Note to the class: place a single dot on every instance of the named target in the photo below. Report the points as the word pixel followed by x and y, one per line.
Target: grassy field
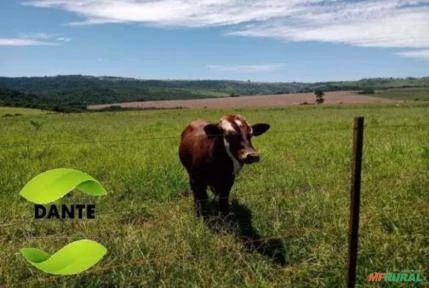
pixel 15 112
pixel 295 201
pixel 410 94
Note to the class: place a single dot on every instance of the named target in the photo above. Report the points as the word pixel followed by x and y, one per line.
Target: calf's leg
pixel 199 190
pixel 223 188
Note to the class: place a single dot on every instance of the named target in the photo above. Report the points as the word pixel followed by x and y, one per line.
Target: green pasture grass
pixel 294 204
pixel 411 94
pixel 14 112
pixel 209 93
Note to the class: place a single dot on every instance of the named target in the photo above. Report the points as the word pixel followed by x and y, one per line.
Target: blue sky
pixel 270 40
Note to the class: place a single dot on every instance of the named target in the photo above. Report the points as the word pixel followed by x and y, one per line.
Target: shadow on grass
pixel 240 224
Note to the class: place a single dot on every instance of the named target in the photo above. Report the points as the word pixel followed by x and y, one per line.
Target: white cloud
pixel 246 68
pixel 24 42
pixel 40 36
pixel 34 39
pixel 370 23
pixel 63 39
pixel 188 13
pixel 419 54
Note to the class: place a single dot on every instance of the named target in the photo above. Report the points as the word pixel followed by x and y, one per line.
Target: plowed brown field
pixel 341 97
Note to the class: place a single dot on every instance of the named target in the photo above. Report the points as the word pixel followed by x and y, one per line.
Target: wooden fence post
pixel 355 200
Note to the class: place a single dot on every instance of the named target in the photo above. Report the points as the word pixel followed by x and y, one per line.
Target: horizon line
pixel 229 80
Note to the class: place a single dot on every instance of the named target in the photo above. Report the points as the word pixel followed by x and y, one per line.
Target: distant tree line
pixel 72 93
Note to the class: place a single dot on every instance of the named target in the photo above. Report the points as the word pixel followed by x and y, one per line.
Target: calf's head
pixel 237 135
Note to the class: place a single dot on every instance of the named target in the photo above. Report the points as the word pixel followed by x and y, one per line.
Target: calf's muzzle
pixel 251 157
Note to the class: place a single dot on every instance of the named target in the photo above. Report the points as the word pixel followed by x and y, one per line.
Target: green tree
pixel 319 96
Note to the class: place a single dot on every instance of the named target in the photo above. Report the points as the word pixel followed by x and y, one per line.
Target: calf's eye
pixel 233 136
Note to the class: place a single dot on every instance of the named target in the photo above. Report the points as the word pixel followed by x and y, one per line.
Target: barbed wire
pixel 107 141
pixel 135 225
pixel 92 271
pixel 154 205
pixel 214 222
pixel 112 265
pixel 241 240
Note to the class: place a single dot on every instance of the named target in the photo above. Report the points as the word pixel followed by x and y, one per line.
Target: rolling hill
pixel 75 92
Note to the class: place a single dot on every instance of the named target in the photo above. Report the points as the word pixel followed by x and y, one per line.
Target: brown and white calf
pixel 213 154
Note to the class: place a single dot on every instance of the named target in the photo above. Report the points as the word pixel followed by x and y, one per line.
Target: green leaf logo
pixel 73 258
pixel 48 187
pixel 52 185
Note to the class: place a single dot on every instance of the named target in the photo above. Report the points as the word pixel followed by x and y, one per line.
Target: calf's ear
pixel 213 130
pixel 260 128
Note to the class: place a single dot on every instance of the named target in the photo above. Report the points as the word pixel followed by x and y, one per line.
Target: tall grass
pixel 295 202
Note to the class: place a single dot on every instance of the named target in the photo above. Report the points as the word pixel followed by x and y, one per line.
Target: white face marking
pixel 236 165
pixel 227 127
